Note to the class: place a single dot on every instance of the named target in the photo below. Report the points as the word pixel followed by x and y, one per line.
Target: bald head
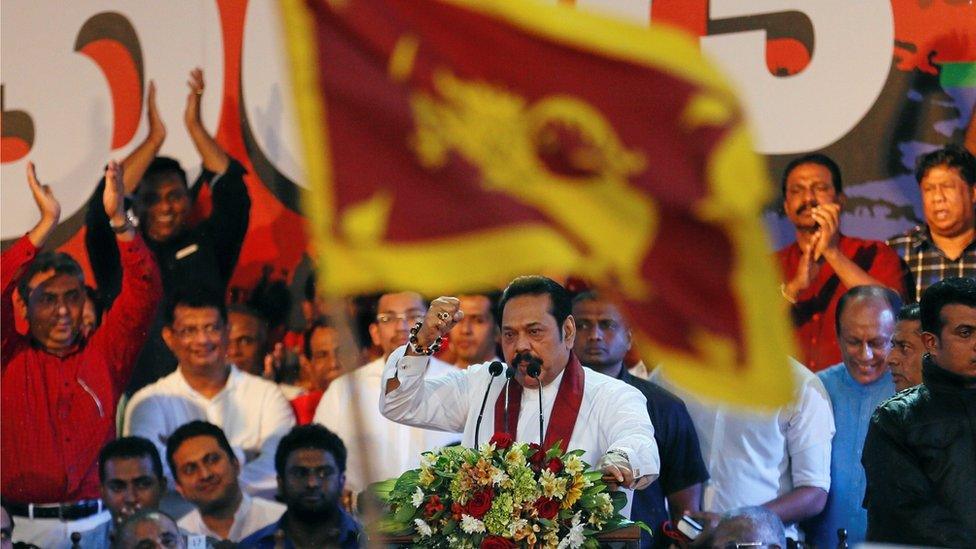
pixel 149 529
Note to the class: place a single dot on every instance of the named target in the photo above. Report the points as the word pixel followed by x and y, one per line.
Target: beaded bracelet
pixel 430 350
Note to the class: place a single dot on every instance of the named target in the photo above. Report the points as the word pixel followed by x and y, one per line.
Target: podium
pixel 627 537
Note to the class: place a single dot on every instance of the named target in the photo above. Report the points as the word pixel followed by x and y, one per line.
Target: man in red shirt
pixel 823 263
pixel 60 389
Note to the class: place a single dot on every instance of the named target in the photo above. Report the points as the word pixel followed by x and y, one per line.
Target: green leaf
pixel 450 527
pixel 405 513
pixel 619 500
pixel 593 476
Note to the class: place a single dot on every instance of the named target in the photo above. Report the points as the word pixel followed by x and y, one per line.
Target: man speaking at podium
pixel 585 410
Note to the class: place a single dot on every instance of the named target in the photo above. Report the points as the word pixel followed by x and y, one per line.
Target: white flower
pixel 428 459
pixel 418 498
pixel 471 525
pixel 423 528
pixel 575 538
pixel 498 476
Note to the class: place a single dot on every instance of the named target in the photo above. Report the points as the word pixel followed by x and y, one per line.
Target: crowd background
pixel 268 280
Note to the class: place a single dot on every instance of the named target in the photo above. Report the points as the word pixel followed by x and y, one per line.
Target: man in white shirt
pixel 251 411
pixel 779 460
pixel 475 337
pixel 604 417
pixel 206 472
pixel 348 407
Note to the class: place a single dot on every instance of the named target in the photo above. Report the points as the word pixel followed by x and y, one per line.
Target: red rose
pixel 479 504
pixel 497 542
pixel 547 508
pixel 554 466
pixel 433 506
pixel 502 441
pixel 536 457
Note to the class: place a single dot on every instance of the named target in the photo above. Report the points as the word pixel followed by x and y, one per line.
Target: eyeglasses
pixel 389 318
pixel 190 332
pixel 48 301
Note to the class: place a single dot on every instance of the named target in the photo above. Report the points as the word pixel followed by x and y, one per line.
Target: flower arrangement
pixel 502 495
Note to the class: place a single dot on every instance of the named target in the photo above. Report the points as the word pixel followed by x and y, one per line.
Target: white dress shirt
pixel 754 458
pixel 613 415
pixel 391 448
pixel 252 515
pixel 252 412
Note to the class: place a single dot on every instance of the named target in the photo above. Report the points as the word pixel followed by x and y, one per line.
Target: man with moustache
pixel 132 479
pixel 538 332
pixel 206 472
pixel 905 357
pixel 392 448
pixel 602 341
pixel 311 465
pixel 945 245
pixel 251 410
pixel 919 451
pixel 475 338
pixel 59 388
pixel 823 263
pixel 865 322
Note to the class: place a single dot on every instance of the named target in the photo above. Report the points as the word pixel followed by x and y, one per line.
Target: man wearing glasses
pixel 392 447
pixel 252 411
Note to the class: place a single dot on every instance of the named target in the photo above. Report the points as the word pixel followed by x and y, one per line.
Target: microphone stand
pixel 509 374
pixel 495 368
pixel 533 371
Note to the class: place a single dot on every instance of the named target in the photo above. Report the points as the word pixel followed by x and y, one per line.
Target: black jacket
pixel 920 462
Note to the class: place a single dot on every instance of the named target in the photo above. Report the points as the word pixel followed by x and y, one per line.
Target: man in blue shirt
pixel 865 322
pixel 311 466
pixel 603 338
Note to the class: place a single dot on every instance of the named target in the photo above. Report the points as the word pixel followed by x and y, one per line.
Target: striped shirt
pixel 927 263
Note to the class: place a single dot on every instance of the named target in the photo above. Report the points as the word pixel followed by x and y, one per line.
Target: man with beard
pixel 602 341
pixel 538 332
pixel 823 263
pixel 206 472
pixel 394 448
pixel 919 451
pixel 905 357
pixel 311 465
pixel 865 322
pixel 475 338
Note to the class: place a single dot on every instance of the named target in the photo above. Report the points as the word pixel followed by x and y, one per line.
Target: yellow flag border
pixel 730 204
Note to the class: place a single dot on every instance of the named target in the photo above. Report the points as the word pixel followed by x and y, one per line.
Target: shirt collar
pixel 233 378
pixel 348 529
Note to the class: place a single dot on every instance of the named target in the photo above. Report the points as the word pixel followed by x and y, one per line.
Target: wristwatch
pixel 130 223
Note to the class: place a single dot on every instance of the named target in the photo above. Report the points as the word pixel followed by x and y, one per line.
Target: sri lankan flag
pixel 454 144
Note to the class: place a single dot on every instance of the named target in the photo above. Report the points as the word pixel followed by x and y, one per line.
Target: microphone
pixel 533 370
pixel 509 374
pixel 495 368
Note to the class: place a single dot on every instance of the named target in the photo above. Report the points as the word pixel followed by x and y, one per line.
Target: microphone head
pixel 533 369
pixel 495 368
pixel 510 372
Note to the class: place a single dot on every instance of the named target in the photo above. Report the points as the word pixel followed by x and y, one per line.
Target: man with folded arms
pixel 604 417
pixel 60 389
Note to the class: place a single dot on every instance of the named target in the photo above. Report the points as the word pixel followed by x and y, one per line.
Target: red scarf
pixel 562 419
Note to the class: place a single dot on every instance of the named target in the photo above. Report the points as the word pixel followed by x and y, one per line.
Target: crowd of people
pixel 146 410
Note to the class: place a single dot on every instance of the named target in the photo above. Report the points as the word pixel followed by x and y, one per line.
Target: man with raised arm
pixel 204 254
pixel 604 417
pixel 60 389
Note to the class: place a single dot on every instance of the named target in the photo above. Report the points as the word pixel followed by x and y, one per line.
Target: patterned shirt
pixel 927 263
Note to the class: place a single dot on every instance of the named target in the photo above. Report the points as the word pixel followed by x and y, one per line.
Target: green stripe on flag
pixel 958 75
